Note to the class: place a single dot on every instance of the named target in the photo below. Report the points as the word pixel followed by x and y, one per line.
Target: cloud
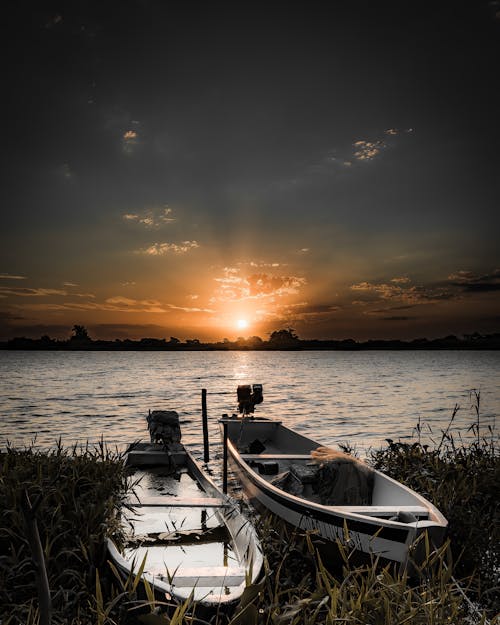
pixel 9 276
pixel 69 284
pixel 479 287
pixel 380 311
pixel 7 315
pixel 113 304
pixel 304 311
pixel 160 249
pixel 65 171
pixel 127 304
pixel 399 289
pixel 397 318
pixel 191 309
pixel 130 141
pixel 261 264
pixel 233 286
pixel 151 218
pixel 265 284
pixel 25 292
pixel 470 282
pixel 402 280
pixel 367 150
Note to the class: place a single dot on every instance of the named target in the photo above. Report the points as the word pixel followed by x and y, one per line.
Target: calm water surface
pixel 356 397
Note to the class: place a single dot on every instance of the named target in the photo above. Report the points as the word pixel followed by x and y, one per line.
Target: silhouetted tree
pixel 80 334
pixel 255 341
pixel 174 340
pixel 284 337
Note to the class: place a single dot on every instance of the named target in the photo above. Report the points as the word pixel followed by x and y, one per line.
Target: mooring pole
pixel 204 417
pixel 224 459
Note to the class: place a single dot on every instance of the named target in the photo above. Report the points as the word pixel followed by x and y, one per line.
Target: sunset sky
pixel 217 170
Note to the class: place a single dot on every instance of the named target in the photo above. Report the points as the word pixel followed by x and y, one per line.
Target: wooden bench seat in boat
pixel 208 577
pixel 254 457
pixel 385 511
pixel 179 502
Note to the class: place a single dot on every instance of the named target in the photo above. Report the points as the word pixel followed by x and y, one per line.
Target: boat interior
pixel 182 530
pixel 286 459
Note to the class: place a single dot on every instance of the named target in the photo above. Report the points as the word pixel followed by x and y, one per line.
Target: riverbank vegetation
pixel 74 496
pixel 283 339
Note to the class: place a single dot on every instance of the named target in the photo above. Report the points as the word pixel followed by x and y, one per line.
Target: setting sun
pixel 242 324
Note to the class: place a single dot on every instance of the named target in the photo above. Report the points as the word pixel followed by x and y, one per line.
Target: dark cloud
pixel 6 315
pixel 469 282
pixel 397 318
pixel 317 308
pixel 389 308
pixel 482 287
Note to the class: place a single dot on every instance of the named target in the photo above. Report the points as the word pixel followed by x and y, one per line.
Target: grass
pixel 463 481
pixel 75 494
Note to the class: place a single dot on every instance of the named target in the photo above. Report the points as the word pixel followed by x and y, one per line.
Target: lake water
pixel 334 397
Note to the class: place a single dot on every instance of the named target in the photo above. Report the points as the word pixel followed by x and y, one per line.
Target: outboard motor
pixel 248 397
pixel 164 427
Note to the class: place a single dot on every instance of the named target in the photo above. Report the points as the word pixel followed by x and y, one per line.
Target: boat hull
pixel 366 537
pixel 195 540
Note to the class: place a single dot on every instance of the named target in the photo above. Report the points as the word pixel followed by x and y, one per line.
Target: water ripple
pixel 356 397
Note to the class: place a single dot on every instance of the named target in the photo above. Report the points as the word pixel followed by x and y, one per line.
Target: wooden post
pixel 204 416
pixel 224 459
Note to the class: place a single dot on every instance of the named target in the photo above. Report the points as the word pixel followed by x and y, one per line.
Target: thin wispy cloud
pixel 26 292
pixel 367 150
pixel 470 282
pixel 401 290
pixel 261 264
pixel 339 159
pixel 114 304
pixel 9 276
pixel 151 218
pixel 190 309
pixel 401 280
pixel 160 249
pixel 130 141
pixel 66 172
pixel 304 311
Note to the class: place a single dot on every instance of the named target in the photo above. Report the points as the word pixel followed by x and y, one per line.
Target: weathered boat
pixel 338 497
pixel 194 538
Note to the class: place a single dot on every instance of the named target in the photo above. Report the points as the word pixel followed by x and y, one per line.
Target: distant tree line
pixel 283 339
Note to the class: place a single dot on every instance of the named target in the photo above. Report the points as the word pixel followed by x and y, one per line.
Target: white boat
pixel 195 539
pixel 334 495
